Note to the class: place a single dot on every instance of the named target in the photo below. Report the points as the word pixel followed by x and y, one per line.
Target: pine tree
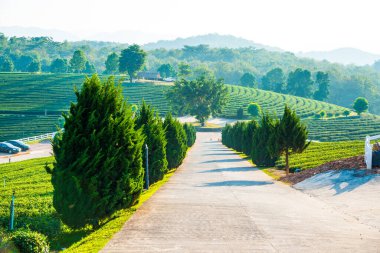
pixel 249 131
pixel 98 167
pixel 291 135
pixel 190 134
pixel 264 148
pixel 176 137
pixel 154 135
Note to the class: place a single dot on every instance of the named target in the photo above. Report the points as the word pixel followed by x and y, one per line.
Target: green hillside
pixel 26 97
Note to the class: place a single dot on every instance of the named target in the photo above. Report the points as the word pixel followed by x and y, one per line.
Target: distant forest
pixel 42 54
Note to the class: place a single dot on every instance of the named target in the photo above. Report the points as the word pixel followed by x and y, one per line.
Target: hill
pixel 343 56
pixel 32 105
pixel 213 40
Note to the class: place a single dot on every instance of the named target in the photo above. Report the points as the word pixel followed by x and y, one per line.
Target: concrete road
pixel 216 202
pixel 37 150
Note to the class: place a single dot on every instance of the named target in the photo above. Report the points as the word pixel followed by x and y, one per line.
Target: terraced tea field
pixel 319 153
pixel 32 95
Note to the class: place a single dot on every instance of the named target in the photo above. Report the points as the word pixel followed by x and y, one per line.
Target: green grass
pixel 25 97
pixel 319 153
pixel 34 207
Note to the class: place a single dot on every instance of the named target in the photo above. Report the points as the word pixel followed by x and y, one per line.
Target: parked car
pixel 8 148
pixel 19 144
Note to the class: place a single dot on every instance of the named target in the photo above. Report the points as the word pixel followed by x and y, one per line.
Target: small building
pixel 149 75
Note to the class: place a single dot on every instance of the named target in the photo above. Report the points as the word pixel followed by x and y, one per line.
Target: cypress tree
pixel 264 147
pixel 291 135
pixel 98 168
pixel 249 131
pixel 226 135
pixel 176 137
pixel 190 134
pixel 154 135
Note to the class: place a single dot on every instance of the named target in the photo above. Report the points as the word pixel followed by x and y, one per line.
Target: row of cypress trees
pixel 267 141
pixel 99 165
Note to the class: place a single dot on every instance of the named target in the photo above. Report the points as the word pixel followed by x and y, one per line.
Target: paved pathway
pixel 216 202
pixel 37 150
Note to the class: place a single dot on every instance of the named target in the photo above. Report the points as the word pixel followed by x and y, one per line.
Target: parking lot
pixel 37 150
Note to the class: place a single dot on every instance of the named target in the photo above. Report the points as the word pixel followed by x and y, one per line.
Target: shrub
pixel 264 147
pixel 322 113
pixel 30 242
pixel 154 135
pixel 317 116
pixel 249 131
pixel 240 113
pixel 176 141
pixel 330 114
pixel 190 134
pixel 337 114
pixel 346 113
pixel 360 105
pixel 98 167
pixel 254 109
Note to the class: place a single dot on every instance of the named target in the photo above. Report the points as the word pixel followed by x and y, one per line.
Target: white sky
pixel 295 25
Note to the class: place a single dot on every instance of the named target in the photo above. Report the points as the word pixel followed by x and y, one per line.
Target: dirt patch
pixel 356 162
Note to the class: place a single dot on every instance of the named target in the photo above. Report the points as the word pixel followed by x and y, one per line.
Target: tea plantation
pixel 319 153
pixel 26 97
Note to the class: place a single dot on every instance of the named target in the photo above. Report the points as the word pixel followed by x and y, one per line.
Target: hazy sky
pixel 295 25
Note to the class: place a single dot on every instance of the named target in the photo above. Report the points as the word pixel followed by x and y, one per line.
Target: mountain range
pixel 340 55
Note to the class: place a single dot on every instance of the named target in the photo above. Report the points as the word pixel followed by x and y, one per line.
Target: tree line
pixel 267 140
pixel 345 82
pixel 100 157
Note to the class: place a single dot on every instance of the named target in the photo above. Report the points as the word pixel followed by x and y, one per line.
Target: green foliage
pixel 191 134
pixel 248 80
pixel 30 242
pixel 176 141
pixel 240 113
pixel 154 136
pixel 322 114
pixel 265 150
pixel 34 89
pixel 346 113
pixel 291 135
pixel 131 60
pixel 112 63
pixel 249 131
pixel 299 83
pixel 274 80
pixel 201 97
pixel 90 68
pixel 34 66
pixel 166 70
pixel 240 136
pixel 330 114
pixel 7 65
pixel 360 105
pixel 78 62
pixel 184 69
pixel 318 153
pixel 254 109
pixel 59 66
pixel 323 82
pixel 98 167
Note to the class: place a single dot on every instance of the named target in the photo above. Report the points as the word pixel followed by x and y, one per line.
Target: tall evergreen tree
pixel 249 131
pixel 176 147
pixel 98 168
pixel 291 135
pixel 154 135
pixel 190 134
pixel 264 148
